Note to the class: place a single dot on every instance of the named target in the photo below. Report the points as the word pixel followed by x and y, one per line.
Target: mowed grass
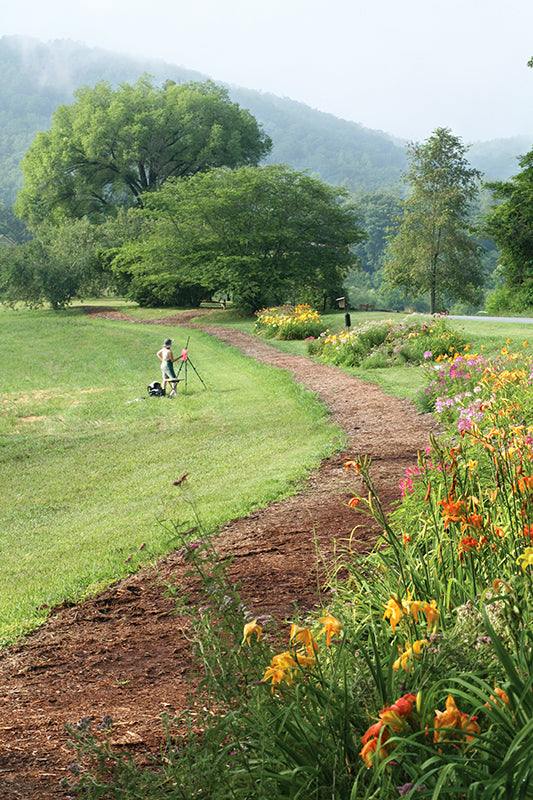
pixel 484 336
pixel 88 461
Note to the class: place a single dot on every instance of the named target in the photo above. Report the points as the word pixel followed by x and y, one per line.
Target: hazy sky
pixel 402 66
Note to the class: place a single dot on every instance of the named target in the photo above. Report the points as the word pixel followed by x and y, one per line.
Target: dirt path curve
pixel 125 652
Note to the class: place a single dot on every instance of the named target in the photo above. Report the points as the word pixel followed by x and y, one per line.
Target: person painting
pixel 167 359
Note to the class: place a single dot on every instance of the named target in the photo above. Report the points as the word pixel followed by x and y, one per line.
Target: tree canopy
pixel 510 224
pixel 433 251
pixel 264 235
pixel 112 146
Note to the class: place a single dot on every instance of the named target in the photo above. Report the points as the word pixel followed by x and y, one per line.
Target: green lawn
pixel 88 460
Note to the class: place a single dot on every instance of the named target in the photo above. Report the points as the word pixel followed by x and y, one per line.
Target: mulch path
pixel 125 653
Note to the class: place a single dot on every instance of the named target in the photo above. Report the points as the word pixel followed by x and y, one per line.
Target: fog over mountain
pixel 36 77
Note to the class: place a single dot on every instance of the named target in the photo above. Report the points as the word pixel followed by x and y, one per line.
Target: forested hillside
pixel 35 78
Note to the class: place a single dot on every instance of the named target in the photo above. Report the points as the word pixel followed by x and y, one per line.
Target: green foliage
pixel 259 234
pixel 432 251
pixel 61 263
pixel 385 343
pixel 114 145
pixel 38 77
pixel 510 223
pixel 12 230
pixel 379 212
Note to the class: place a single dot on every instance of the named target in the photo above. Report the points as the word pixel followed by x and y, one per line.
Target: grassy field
pixel 88 460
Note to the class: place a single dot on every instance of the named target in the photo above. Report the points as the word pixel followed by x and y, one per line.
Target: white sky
pixel 402 66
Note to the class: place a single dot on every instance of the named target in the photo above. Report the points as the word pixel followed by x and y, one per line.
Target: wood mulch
pixel 125 653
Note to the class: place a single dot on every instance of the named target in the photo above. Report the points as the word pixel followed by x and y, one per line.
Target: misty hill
pixel 36 77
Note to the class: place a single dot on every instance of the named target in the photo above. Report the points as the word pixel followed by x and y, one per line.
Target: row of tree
pixel 158 192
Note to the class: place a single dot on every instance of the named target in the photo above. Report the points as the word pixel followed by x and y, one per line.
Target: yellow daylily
pixel 411 651
pixel 281 668
pixel 526 558
pixel 249 629
pixel 393 612
pixel 432 615
pixel 305 637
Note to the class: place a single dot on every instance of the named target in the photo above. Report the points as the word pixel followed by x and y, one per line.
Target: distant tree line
pixel 158 192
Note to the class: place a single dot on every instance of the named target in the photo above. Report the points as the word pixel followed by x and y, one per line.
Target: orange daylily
pixel 376 735
pixel 432 615
pixel 525 484
pixel 332 627
pixel 453 510
pixel 446 722
pixel 395 715
pixel 528 532
pixel 348 463
pixel 501 695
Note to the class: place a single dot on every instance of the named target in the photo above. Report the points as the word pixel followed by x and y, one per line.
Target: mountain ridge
pixel 36 77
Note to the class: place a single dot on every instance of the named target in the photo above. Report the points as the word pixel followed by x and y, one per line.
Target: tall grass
pixel 89 461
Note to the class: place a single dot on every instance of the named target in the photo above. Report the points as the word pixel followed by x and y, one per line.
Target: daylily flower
pixel 395 715
pixel 353 502
pixel 249 629
pixel 393 612
pixel 501 695
pixel 413 607
pixel 432 615
pixel 452 510
pixel 348 463
pixel 376 736
pixel 528 532
pixel 411 651
pixel 526 558
pixel 525 484
pixel 305 637
pixel 281 668
pixel 332 627
pixel 446 722
pixel 467 545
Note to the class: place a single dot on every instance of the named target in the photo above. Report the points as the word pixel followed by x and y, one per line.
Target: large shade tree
pixel 113 146
pixel 434 251
pixel 510 224
pixel 264 235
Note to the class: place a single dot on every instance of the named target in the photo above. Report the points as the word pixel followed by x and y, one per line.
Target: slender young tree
pixel 433 251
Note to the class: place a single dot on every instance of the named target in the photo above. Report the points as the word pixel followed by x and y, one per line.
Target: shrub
pixel 289 322
pixel 386 343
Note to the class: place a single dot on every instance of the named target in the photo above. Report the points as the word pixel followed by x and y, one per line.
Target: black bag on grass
pixel 156 390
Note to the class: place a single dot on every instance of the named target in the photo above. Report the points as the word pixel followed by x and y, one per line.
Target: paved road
pixel 525 320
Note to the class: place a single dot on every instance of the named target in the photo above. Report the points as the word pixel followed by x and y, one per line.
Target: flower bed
pixel 416 681
pixel 388 342
pixel 289 322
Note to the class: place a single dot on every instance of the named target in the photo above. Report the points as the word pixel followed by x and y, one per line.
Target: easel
pixel 185 360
